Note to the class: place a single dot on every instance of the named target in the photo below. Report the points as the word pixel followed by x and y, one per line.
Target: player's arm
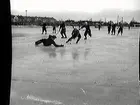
pixel 56 45
pixel 39 42
pixel 82 27
pixel 72 33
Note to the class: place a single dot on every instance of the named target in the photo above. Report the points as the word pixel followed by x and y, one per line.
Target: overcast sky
pixel 37 7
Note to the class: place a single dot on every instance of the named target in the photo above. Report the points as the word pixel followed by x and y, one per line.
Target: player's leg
pixel 69 39
pixel 85 34
pixel 114 31
pixel 118 31
pixel 45 31
pixel 121 31
pixel 53 31
pixel 79 37
pixel 38 42
pixel 42 30
pixel 89 33
pixel 108 30
pixel 65 33
pixel 99 28
pixel 61 34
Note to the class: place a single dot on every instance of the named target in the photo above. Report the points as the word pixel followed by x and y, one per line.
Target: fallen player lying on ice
pixel 48 42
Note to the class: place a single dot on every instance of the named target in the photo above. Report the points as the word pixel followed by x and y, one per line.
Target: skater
pixel 120 29
pixel 44 28
pixel 88 31
pixel 63 30
pixel 48 42
pixel 54 29
pixel 128 26
pixel 99 26
pixel 75 33
pixel 109 27
pixel 113 29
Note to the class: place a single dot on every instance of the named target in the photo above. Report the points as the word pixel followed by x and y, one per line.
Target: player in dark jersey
pixel 99 26
pixel 48 42
pixel 75 33
pixel 120 29
pixel 129 26
pixel 113 29
pixel 44 28
pixel 88 31
pixel 62 30
pixel 109 27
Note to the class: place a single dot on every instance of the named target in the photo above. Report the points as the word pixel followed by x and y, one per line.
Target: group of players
pixel 75 33
pixel 112 28
pixel 62 30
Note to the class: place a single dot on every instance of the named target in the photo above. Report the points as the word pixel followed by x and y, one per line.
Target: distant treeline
pixel 50 21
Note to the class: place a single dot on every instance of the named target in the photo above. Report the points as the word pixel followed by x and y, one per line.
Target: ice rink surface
pixel 103 70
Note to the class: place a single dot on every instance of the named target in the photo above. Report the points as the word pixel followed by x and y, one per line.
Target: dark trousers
pixel 109 28
pixel 99 28
pixel 120 30
pixel 87 32
pixel 54 30
pixel 113 31
pixel 63 33
pixel 79 37
pixel 44 29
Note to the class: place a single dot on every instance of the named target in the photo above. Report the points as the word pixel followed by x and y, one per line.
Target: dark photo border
pixel 6 49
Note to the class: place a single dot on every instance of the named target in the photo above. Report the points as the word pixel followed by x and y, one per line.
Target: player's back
pixel 47 42
pixel 75 33
pixel 62 26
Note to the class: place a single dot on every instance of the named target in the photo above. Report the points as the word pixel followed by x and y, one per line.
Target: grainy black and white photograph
pixel 75 52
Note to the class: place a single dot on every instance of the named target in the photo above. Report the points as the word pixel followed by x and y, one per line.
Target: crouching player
pixel 75 33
